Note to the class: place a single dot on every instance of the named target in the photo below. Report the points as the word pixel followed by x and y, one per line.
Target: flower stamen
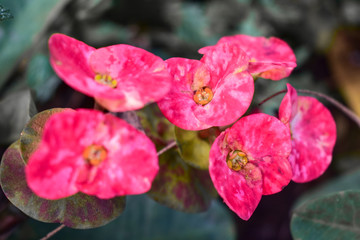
pixel 203 96
pixel 94 154
pixel 236 160
pixel 105 80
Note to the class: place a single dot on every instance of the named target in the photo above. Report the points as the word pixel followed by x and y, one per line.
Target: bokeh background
pixel 325 36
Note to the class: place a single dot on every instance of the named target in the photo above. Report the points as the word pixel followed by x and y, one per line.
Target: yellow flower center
pixel 236 160
pixel 94 154
pixel 203 96
pixel 106 80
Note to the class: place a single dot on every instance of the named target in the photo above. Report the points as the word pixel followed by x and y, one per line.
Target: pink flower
pixel 87 151
pixel 313 135
pixel 119 77
pixel 215 91
pixel 269 58
pixel 249 160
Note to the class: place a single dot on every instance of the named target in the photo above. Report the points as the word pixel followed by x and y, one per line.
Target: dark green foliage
pixel 4 13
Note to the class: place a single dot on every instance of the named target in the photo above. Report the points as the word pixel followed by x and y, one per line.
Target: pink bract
pixel 313 134
pixel 140 76
pixel 223 70
pixel 266 142
pixel 270 58
pixel 58 168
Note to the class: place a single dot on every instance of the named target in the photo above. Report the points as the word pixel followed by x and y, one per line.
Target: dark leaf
pixel 180 186
pixel 334 216
pixel 78 211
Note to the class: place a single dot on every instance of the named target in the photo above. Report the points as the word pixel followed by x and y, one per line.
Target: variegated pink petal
pixel 232 97
pixel 177 106
pixel 141 77
pixel 58 168
pixel 69 59
pixel 288 106
pixel 270 58
pixel 266 141
pixel 225 59
pixel 313 132
pixel 241 190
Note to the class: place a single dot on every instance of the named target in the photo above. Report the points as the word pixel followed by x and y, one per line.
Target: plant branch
pixel 274 95
pixel 53 232
pixel 331 100
pixel 170 145
pixel 336 103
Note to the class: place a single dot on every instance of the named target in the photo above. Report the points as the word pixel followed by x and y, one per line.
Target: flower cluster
pixel 91 152
pixel 98 154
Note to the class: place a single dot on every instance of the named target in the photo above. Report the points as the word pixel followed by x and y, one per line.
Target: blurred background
pixel 324 35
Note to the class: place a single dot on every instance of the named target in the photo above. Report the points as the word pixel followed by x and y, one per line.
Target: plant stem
pixel 170 145
pixel 53 232
pixel 274 95
pixel 336 103
pixel 331 100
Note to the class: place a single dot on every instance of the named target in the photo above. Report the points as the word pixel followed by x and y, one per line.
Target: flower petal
pixel 177 106
pixel 266 141
pixel 69 59
pixel 260 135
pixel 132 161
pixel 232 97
pixel 141 77
pixel 313 138
pixel 234 87
pixel 241 190
pixel 58 169
pixel 269 58
pixel 226 58
pixel 288 106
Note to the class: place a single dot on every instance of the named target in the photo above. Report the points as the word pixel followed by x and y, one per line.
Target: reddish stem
pixel 331 100
pixel 170 145
pixel 336 103
pixel 274 95
pixel 53 232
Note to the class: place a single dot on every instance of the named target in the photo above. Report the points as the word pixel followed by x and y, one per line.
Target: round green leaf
pixel 155 125
pixel 31 135
pixel 335 216
pixel 78 211
pixel 194 146
pixel 348 181
pixel 180 186
pixel 145 219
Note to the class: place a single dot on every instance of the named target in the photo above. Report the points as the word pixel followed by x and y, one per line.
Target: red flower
pixel 249 160
pixel 269 58
pixel 87 151
pixel 215 91
pixel 313 134
pixel 119 77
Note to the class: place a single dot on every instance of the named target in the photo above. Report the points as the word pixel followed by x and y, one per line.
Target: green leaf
pixel 180 186
pixel 348 181
pixel 30 18
pixel 145 219
pixel 193 25
pixel 194 146
pixel 15 110
pixel 4 13
pixel 78 211
pixel 331 217
pixel 31 134
pixel 41 78
pixel 156 126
